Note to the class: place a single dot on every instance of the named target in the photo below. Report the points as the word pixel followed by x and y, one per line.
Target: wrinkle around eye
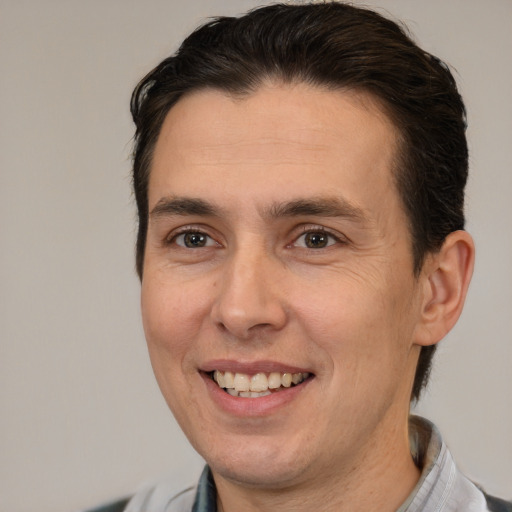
pixel 188 246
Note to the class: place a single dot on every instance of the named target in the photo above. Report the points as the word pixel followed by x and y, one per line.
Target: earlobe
pixel 446 277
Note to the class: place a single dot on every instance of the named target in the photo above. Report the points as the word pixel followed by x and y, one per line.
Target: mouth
pixel 261 384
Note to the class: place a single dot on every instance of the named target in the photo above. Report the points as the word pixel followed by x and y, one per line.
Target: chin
pixel 270 476
pixel 260 466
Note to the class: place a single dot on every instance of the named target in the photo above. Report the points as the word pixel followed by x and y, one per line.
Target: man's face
pixel 277 244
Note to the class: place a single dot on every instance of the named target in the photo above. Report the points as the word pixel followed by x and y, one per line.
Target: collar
pixel 206 494
pixel 438 469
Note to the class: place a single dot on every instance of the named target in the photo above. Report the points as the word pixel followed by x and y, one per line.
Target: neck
pixel 382 479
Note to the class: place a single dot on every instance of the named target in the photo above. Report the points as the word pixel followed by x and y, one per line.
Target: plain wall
pixel 82 419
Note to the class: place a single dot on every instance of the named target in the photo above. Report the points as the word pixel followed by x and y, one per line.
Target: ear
pixel 446 276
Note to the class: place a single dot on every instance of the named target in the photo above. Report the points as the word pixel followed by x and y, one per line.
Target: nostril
pixel 221 327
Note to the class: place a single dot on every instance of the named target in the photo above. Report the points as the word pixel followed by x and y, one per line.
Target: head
pixel 299 175
pixel 333 46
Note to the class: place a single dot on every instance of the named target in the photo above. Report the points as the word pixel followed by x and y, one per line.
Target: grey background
pixel 81 418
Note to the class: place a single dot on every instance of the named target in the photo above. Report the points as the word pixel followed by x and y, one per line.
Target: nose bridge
pixel 249 300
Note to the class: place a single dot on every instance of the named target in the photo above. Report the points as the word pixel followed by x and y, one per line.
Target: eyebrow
pixel 315 207
pixel 169 206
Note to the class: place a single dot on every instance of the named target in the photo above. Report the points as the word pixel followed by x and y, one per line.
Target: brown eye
pixel 193 240
pixel 315 240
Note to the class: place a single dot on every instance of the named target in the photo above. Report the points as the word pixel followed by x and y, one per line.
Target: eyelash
pixel 171 239
pixel 313 230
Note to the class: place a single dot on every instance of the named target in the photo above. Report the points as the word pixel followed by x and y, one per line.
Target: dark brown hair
pixel 338 46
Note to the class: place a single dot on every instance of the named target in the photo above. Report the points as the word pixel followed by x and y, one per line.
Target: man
pixel 299 175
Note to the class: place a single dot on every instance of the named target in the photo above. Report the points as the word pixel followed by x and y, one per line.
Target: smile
pixel 254 386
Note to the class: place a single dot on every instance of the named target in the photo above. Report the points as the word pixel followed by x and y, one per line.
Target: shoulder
pixel 497 504
pixel 158 498
pixel 113 506
pixel 162 498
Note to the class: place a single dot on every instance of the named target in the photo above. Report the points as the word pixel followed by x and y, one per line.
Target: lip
pixel 252 407
pixel 251 368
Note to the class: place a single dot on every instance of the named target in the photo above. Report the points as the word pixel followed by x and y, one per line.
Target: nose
pixel 249 303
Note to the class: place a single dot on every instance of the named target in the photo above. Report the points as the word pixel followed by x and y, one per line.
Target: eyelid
pixel 302 230
pixel 171 237
pixel 315 228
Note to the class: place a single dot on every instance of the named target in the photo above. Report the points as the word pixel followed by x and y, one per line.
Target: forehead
pixel 279 140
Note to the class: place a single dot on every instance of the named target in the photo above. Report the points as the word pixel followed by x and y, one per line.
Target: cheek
pixel 171 315
pixel 340 311
pixel 364 330
pixel 169 327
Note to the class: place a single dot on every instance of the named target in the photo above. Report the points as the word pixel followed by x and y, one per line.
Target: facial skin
pixel 253 181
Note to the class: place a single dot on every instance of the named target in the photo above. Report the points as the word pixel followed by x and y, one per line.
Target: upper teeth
pixel 258 383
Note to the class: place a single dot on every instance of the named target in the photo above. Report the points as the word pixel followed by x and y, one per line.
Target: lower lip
pixel 253 407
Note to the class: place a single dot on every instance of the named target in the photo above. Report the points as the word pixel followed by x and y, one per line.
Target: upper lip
pixel 251 367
